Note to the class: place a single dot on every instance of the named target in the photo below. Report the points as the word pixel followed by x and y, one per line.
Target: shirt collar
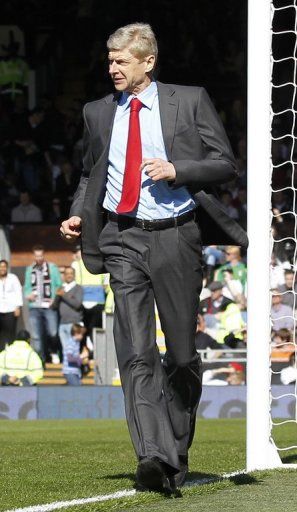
pixel 146 96
pixel 39 267
pixel 68 286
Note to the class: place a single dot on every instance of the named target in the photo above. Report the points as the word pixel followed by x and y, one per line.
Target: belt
pixel 152 225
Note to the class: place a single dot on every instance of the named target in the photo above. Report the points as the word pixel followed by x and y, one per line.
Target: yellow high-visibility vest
pixel 13 76
pixel 84 277
pixel 20 360
pixel 231 321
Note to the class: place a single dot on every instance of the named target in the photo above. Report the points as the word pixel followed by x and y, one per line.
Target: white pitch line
pixel 64 504
pixel 106 497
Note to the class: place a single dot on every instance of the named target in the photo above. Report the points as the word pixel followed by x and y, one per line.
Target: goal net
pixel 272 184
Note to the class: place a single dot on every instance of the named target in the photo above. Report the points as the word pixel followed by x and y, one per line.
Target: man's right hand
pixel 71 229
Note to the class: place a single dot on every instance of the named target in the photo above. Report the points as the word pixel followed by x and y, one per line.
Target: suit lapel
pixel 168 105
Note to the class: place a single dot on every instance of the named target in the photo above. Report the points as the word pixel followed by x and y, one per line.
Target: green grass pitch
pixel 49 461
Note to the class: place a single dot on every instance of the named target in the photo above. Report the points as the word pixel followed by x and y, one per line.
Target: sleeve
pixel 207 376
pixel 88 162
pixel 56 278
pixel 218 165
pixel 17 291
pixel 74 300
pixel 288 375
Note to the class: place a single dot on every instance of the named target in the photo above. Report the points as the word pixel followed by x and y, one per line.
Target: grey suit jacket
pixel 196 144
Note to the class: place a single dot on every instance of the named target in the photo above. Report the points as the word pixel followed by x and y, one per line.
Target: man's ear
pixel 150 63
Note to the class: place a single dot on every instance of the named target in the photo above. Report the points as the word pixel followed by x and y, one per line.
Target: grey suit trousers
pixel 160 399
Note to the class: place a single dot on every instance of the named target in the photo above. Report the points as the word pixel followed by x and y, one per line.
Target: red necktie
pixel 132 175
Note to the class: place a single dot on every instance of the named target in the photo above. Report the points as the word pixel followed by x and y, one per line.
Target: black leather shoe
pixel 151 476
pixel 180 477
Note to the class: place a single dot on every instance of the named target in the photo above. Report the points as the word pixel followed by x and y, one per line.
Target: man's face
pixel 289 278
pixel 235 378
pixel 276 299
pixel 68 275
pixel 39 257
pixel 129 73
pixel 24 198
pixel 216 294
pixel 3 269
pixel 231 254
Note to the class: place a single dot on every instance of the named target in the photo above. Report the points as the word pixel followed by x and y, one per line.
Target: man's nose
pixel 113 67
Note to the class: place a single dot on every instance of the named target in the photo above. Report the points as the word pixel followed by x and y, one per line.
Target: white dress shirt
pixel 157 200
pixel 10 293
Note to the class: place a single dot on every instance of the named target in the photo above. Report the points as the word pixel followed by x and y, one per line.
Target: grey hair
pixel 138 37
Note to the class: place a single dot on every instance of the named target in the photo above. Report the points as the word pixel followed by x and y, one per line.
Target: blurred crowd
pixel 62 306
pixel 41 148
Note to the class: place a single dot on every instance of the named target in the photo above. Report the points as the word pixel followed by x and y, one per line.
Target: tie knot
pixel 135 105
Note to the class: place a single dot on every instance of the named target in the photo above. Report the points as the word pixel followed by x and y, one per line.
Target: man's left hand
pixel 158 169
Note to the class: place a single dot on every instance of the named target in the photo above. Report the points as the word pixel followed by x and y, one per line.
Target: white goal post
pixel 261 450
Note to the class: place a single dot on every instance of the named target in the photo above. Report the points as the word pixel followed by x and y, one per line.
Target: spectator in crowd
pixel 282 339
pixel 233 288
pixel 237 340
pixel 42 279
pixel 26 211
pixel 232 375
pixel 229 322
pixel 213 256
pixel 11 301
pixel 288 375
pixel 281 314
pixel 68 302
pixel 288 289
pixel 4 245
pixel 277 271
pixel 203 340
pixel 20 365
pixel 73 359
pixel 233 260
pixel 31 142
pixel 13 72
pixel 213 304
pixel 222 315
pixel 282 345
pixel 94 293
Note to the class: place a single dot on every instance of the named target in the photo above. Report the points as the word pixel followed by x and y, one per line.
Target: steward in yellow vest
pixel 14 70
pixel 20 365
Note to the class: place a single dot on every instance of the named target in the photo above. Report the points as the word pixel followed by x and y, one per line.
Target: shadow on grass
pixel 244 480
pixel 195 476
pixel 290 459
pixel 204 478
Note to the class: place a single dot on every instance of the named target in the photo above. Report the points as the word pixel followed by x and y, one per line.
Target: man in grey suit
pixel 149 151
